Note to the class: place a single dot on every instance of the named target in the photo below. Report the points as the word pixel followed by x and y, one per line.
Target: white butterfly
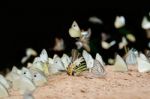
pixel 29 52
pixel 50 61
pixel 98 70
pixel 26 72
pixel 120 65
pixel 23 84
pixel 95 20
pixel 44 56
pixel 145 23
pixel 88 59
pixel 143 57
pixel 14 72
pixel 66 60
pixel 39 77
pixel 83 41
pixel 131 58
pixel 4 82
pixel 59 45
pixel 146 26
pixel 79 44
pixel 119 22
pixel 107 45
pixel 38 65
pixel 100 59
pixel 75 31
pixel 123 43
pixel 3 91
pixel 57 66
pixel 143 65
pixel 41 62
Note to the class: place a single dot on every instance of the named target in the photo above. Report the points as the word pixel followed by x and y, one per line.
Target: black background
pixel 23 27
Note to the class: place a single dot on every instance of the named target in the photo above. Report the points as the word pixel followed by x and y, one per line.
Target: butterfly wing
pixel 39 78
pixel 74 31
pixel 88 59
pixel 100 59
pixel 4 82
pixel 3 91
pixel 143 65
pixel 98 70
pixel 44 56
pixel 120 65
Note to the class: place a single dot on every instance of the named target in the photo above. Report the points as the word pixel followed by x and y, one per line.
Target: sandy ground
pixel 116 85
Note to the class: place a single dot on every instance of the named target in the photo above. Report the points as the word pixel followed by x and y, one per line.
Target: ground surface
pixel 129 85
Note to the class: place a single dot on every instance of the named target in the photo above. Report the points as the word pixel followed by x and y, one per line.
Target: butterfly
pixel 44 56
pixel 39 77
pixel 83 40
pixel 107 45
pixel 12 75
pixel 146 26
pixel 26 72
pixel 143 65
pixel 123 43
pixel 23 84
pixel 66 60
pixel 59 45
pixel 130 37
pixel 143 57
pixel 4 82
pixel 29 52
pixel 77 64
pixel 3 91
pixel 145 23
pixel 88 59
pixel 41 62
pixel 131 57
pixel 100 59
pixel 95 20
pixel 57 66
pixel 98 70
pixel 120 65
pixel 74 31
pixel 119 22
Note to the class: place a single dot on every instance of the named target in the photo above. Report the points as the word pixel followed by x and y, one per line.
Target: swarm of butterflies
pixel 35 74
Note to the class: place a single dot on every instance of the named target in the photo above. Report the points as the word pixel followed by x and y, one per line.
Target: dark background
pixel 37 27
